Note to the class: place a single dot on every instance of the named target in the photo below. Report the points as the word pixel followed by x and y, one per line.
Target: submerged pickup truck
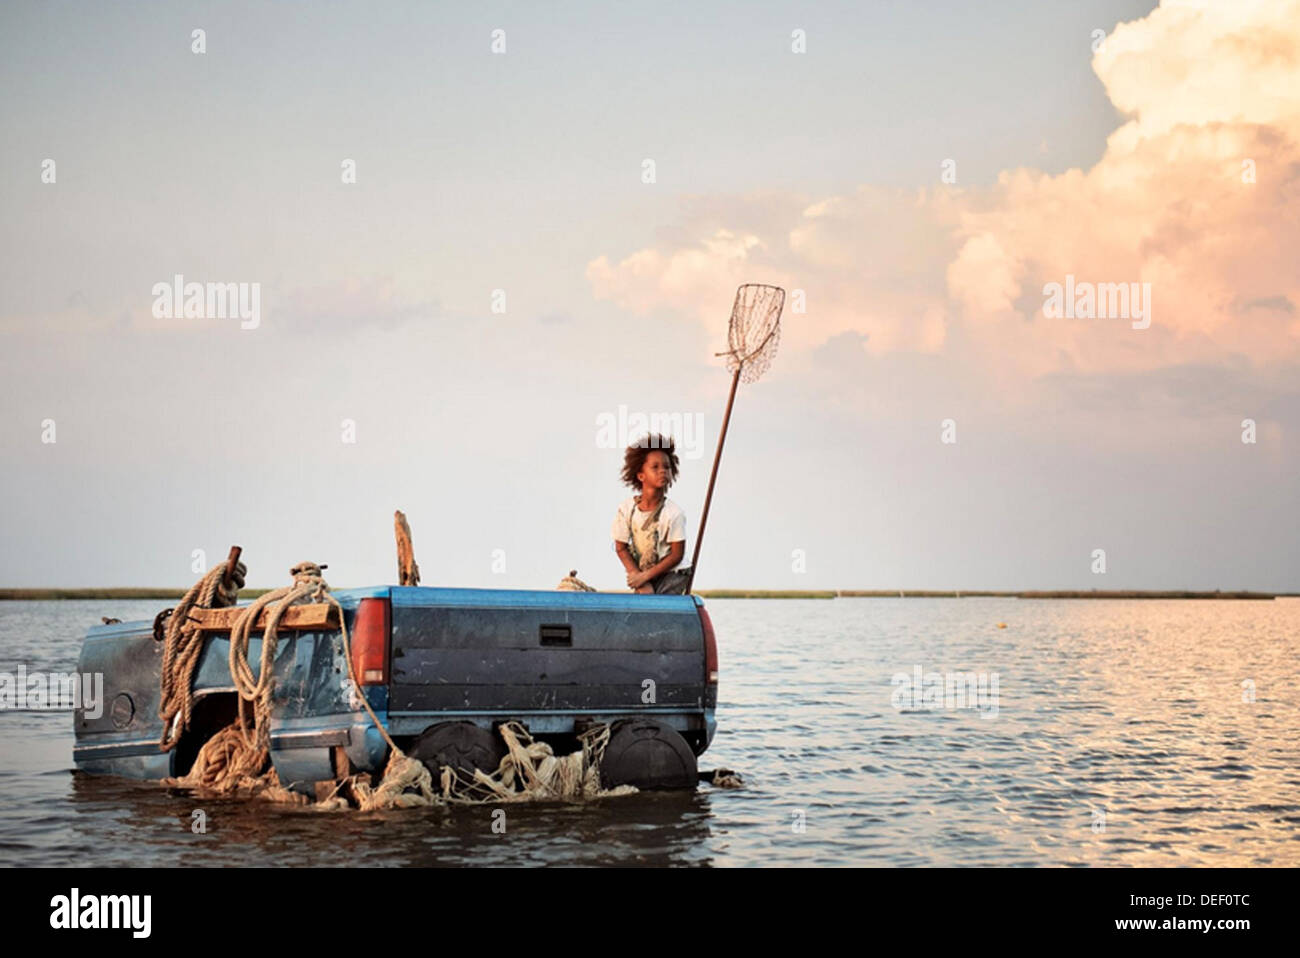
pixel 442 668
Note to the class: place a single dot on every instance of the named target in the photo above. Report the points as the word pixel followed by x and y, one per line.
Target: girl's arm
pixel 625 557
pixel 675 552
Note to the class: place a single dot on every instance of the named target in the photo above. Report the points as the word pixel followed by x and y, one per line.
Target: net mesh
pixel 755 330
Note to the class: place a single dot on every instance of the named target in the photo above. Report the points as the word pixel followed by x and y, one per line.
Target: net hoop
pixel 755 329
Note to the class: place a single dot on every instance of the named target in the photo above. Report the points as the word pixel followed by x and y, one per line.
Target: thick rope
pixel 571 583
pixel 235 760
pixel 308 586
pixel 238 759
pixel 182 648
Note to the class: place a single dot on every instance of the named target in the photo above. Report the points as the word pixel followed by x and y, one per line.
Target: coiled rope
pixel 308 586
pixel 183 646
pixel 238 758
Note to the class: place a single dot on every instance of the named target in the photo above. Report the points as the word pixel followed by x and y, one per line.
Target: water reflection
pixel 646 829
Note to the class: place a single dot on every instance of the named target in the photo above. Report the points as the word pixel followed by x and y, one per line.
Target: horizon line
pixel 134 592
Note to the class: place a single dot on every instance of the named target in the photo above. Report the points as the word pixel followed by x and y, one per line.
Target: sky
pixel 478 232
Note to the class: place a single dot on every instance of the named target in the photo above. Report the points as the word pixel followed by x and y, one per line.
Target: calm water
pixel 1120 738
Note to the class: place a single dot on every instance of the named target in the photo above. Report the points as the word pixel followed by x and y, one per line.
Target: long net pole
pixel 713 476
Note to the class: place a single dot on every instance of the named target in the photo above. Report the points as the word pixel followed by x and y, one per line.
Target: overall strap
pixel 652 521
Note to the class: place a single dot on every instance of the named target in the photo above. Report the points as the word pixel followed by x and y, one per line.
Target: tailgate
pixel 519 650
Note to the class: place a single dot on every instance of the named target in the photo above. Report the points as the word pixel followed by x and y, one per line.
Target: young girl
pixel 649 531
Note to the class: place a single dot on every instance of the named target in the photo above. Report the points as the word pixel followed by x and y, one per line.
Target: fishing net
pixel 755 330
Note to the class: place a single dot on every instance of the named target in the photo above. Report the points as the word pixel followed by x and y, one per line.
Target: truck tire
pixel 462 745
pixel 649 755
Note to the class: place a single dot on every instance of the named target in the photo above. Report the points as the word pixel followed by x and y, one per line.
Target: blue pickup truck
pixel 442 668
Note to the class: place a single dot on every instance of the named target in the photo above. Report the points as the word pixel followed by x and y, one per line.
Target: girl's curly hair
pixel 635 455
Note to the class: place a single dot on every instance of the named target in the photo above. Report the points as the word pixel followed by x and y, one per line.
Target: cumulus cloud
pixel 682 278
pixel 878 281
pixel 1197 194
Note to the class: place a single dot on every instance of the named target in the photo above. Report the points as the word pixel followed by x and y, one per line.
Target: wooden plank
pixel 301 618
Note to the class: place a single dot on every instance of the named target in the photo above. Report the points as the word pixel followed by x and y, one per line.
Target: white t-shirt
pixel 672 527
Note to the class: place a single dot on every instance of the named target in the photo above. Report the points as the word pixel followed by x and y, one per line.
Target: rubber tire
pixel 462 745
pixel 649 755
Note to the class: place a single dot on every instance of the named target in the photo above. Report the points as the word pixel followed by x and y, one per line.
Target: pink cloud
pixel 1197 194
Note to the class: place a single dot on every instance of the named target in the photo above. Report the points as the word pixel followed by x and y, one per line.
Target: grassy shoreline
pixel 92 593
pixel 175 594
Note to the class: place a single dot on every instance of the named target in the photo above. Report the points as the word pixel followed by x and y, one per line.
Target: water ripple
pixel 1123 735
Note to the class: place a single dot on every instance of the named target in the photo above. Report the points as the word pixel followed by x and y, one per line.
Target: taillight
pixel 710 648
pixel 370 642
